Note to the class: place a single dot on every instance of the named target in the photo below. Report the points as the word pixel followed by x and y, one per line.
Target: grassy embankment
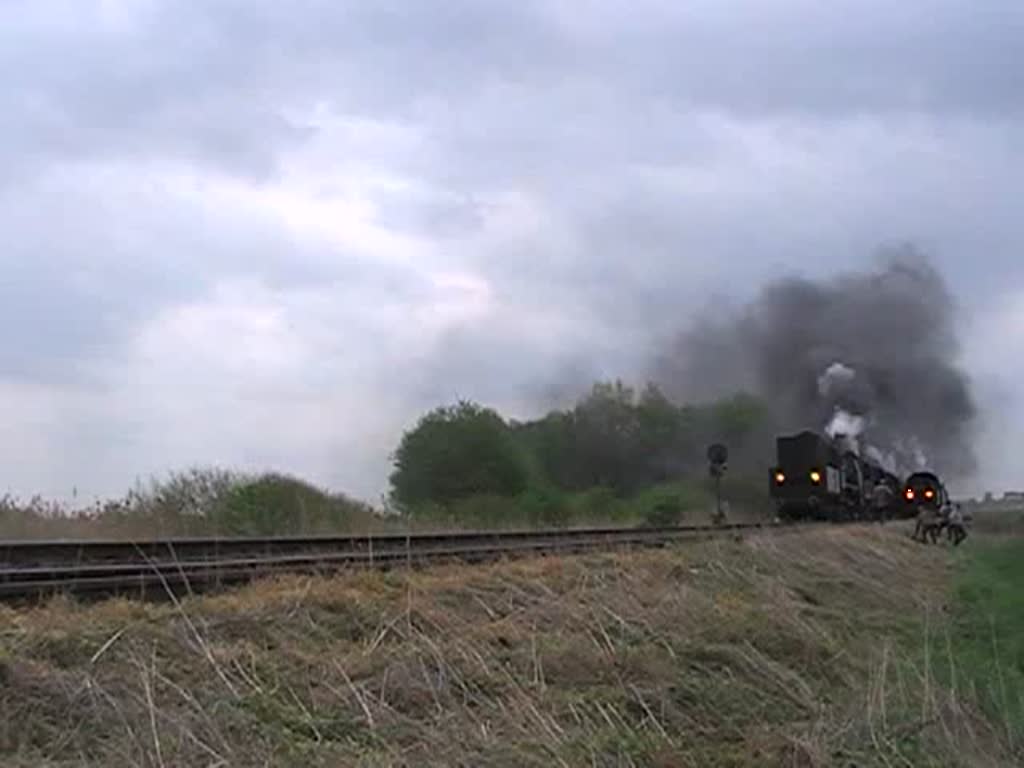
pixel 807 649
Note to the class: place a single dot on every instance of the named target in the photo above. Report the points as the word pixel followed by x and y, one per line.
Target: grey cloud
pixel 952 56
pixel 434 215
pixel 228 84
pixel 843 58
pixel 663 154
pixel 88 258
pixel 221 83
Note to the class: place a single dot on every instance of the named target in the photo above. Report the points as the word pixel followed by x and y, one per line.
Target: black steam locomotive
pixel 817 478
pixel 923 489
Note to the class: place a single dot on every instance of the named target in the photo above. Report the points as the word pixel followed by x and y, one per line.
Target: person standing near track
pixel 955 524
pixel 881 500
pixel 928 522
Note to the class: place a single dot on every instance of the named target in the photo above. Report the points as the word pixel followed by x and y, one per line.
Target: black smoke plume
pixel 872 355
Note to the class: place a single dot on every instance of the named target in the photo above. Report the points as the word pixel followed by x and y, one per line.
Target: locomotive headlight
pixel 929 494
pixel 780 478
pixel 815 476
pixel 910 494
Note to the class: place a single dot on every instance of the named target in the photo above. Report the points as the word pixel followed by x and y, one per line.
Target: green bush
pixel 275 504
pixel 271 504
pixel 668 504
pixel 196 502
pixel 544 508
pixel 599 505
pixel 486 511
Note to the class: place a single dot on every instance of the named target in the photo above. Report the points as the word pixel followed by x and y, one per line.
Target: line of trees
pixel 620 456
pixel 617 454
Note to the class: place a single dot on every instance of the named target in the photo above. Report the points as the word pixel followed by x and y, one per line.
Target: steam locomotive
pixel 818 478
pixel 924 489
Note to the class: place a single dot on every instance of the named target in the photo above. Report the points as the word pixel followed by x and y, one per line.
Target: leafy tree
pixel 745 424
pixel 550 445
pixel 662 436
pixel 455 452
pixel 737 417
pixel 604 438
pixel 547 446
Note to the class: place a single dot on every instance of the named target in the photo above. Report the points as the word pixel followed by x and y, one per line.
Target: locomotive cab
pixel 808 480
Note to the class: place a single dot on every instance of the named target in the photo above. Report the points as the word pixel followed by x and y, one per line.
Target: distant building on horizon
pixel 1009 499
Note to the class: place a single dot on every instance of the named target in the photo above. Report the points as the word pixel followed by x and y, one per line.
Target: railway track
pixel 36 569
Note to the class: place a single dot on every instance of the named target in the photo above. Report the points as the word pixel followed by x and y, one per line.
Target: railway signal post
pixel 718 458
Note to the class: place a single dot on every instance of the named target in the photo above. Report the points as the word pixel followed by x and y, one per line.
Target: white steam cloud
pixel 836 377
pixel 844 425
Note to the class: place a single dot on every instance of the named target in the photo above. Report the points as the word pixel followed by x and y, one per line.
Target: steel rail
pixel 15 554
pixel 33 569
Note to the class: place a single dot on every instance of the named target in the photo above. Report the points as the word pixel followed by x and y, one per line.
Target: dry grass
pixel 801 650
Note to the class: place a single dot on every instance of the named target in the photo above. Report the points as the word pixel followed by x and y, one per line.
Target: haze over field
pixel 268 235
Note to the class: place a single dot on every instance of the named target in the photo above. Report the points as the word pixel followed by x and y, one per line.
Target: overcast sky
pixel 269 235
